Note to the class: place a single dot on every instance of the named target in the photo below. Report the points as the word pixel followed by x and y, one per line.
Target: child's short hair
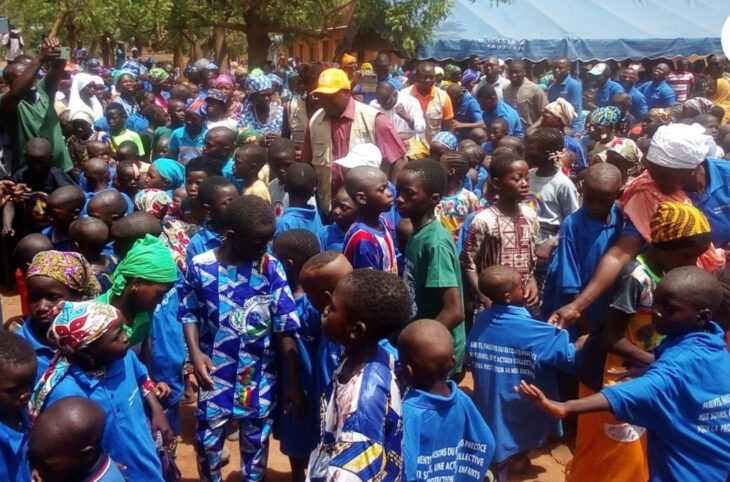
pixel 282 144
pixel 458 161
pixel 497 280
pixel 130 228
pixel 475 153
pixel 70 197
pixel 254 153
pixel 90 232
pixel 209 188
pixel 550 138
pixel 499 122
pixel 499 167
pixel 110 201
pixel 28 246
pixel 431 173
pixel 378 299
pixel 127 148
pixel 14 349
pixel 301 180
pixel 322 259
pixel 512 142
pixel 246 213
pixel 477 134
pixel 694 285
pixel 299 245
pixel 116 107
pixel 212 167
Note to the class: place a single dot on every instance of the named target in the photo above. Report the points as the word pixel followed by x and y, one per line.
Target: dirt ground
pixel 548 464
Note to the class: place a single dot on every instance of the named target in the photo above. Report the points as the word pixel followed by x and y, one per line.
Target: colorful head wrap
pixel 452 69
pixel 366 66
pixel 224 79
pixel 69 268
pixel 171 171
pixel 244 136
pixel 679 146
pixel 675 221
pixel 438 71
pixel 240 70
pixel 664 116
pixel 117 74
pixel 699 105
pixel 153 201
pixel 608 116
pixel 216 94
pixel 197 106
pixel 158 75
pixel 563 110
pixel 446 138
pixel 256 83
pixel 468 77
pixel 275 80
pixel 76 327
pixel 348 59
pixel 625 148
pixel 150 260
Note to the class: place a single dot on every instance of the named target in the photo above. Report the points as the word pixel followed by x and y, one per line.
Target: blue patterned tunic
pixel 237 308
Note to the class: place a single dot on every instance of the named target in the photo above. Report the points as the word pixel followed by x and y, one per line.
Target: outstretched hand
pixel 535 395
pixel 565 316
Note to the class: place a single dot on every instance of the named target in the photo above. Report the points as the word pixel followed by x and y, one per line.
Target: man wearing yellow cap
pixel 340 124
pixel 436 105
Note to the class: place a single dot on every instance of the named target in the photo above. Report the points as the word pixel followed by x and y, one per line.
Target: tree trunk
pixel 60 17
pixel 219 43
pixel 178 58
pixel 257 37
pixel 92 49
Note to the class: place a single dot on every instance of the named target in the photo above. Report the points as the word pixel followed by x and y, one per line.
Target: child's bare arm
pixel 159 420
pixel 8 217
pixel 452 312
pixel 294 397
pixel 593 403
pixel 613 339
pixel 201 363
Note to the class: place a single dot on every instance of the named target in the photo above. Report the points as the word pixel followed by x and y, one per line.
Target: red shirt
pixel 386 138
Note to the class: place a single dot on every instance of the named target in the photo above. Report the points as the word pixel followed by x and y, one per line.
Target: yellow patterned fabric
pixel 675 220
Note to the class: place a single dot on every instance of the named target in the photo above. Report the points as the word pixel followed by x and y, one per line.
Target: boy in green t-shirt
pixel 432 271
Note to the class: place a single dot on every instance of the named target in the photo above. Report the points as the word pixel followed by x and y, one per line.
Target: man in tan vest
pixel 298 110
pixel 435 104
pixel 340 124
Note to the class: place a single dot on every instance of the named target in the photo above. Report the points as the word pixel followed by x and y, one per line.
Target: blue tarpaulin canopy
pixel 579 29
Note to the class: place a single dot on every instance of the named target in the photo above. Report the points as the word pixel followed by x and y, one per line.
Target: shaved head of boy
pixel 131 228
pixel 64 205
pixel 88 236
pixel 602 184
pixel 426 355
pixel 97 174
pixel 65 442
pixel 28 247
pixel 501 284
pixel 320 274
pixel 109 206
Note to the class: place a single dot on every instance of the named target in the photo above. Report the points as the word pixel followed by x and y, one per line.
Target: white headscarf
pixel 76 103
pixel 679 146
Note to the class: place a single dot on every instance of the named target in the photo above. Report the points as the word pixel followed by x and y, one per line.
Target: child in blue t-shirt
pixel 65 443
pixel 214 194
pixel 18 366
pixel 234 301
pixel 682 398
pixel 64 205
pixel 361 429
pixel 368 242
pixel 344 213
pixel 444 435
pixel 585 236
pixel 294 248
pixel 300 183
pixel 504 346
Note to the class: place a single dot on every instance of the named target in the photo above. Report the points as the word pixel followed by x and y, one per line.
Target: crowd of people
pixel 320 252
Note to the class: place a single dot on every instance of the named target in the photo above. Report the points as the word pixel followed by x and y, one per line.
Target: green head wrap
pixel 150 260
pixel 118 73
pixel 244 136
pixel 158 75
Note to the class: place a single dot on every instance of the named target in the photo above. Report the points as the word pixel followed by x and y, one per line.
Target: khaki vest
pixel 434 114
pixel 362 131
pixel 298 120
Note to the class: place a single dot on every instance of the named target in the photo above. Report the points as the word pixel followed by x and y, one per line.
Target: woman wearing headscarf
pixel 138 284
pixel 602 125
pixel 652 121
pixel 53 277
pixel 83 95
pixel 165 174
pixel 175 232
pixel 625 155
pixel 259 112
pixel 93 361
pixel 560 115
pixel 227 85
pixel 160 80
pixel 674 162
pixel 125 85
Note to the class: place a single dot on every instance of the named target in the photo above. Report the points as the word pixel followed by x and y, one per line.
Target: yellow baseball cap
pixel 332 81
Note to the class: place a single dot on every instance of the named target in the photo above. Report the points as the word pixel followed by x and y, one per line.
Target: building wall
pixel 324 49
